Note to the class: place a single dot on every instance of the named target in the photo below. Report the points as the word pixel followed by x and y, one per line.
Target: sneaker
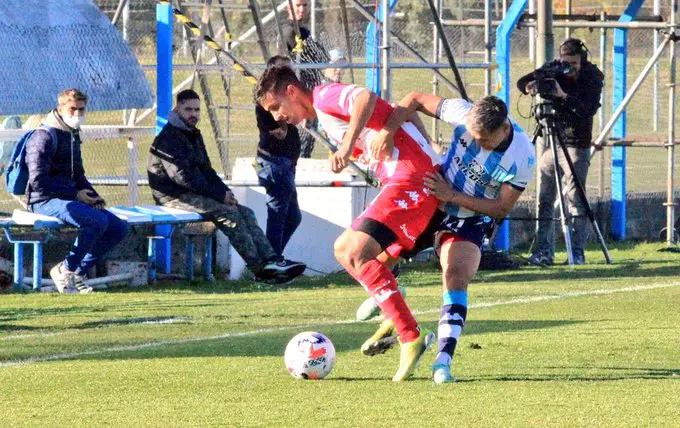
pixel 278 267
pixel 382 340
pixel 369 309
pixel 63 279
pixel 412 353
pixel 541 258
pixel 80 284
pixel 441 373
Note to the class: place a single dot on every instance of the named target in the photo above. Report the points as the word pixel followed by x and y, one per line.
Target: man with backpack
pixel 57 187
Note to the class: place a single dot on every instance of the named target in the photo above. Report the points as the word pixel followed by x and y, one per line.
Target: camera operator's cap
pixel 337 55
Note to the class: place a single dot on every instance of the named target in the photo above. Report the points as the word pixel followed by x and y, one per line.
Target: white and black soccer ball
pixel 310 355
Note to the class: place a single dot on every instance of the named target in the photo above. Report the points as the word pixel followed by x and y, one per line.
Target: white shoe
pixel 63 279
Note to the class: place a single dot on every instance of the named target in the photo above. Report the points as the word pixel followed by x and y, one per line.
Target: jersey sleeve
pixel 525 172
pixel 453 111
pixel 336 99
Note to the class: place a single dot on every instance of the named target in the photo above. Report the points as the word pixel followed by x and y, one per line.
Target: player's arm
pixel 363 107
pixel 413 102
pixel 496 208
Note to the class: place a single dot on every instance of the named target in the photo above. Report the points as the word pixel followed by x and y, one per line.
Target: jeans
pixel 98 231
pixel 579 226
pixel 277 176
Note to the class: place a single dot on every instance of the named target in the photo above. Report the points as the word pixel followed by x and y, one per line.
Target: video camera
pixel 548 76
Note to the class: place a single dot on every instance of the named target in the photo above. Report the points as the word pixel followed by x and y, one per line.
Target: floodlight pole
pixel 385 78
pixel 670 182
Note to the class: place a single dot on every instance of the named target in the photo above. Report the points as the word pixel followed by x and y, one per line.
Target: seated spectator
pixel 57 187
pixel 181 176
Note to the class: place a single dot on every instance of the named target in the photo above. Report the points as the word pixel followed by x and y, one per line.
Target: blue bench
pixel 26 228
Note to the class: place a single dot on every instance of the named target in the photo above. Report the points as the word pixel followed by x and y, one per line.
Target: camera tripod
pixel 547 128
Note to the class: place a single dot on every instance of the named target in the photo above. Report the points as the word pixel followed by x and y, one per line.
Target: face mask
pixel 74 121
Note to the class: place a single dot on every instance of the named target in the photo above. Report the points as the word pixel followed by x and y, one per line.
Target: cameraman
pixel 576 96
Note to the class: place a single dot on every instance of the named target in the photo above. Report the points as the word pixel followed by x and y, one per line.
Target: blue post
pixel 618 221
pixel 18 266
pixel 503 33
pixel 373 43
pixel 208 259
pixel 37 265
pixel 164 100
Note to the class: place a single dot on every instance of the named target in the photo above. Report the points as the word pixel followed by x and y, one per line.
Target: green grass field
pixel 590 346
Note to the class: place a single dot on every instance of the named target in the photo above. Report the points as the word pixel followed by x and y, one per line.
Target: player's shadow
pixel 345 337
pixel 602 374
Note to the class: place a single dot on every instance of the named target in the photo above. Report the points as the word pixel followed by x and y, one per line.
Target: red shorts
pixel 404 210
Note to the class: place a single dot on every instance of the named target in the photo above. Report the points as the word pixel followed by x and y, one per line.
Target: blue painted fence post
pixel 503 33
pixel 618 220
pixel 164 101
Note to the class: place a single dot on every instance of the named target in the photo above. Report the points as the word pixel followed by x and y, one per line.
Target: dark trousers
pixel 277 176
pixel 99 231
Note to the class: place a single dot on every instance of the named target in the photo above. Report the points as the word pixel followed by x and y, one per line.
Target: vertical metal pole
pixel 164 100
pixel 37 265
pixel 312 17
pixel 386 92
pixel 544 52
pixel 487 46
pixel 133 175
pixel 603 105
pixel 567 9
pixel 436 56
pixel 532 33
pixel 670 183
pixel 189 257
pixel 208 259
pixel 126 21
pixel 655 82
pixel 345 26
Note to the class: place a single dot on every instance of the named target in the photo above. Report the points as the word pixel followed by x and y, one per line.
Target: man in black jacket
pixel 312 52
pixel 277 155
pixel 181 176
pixel 57 187
pixel 577 98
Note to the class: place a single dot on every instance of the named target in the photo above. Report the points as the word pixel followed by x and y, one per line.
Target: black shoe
pixel 290 268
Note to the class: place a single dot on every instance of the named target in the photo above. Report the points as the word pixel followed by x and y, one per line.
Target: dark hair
pixel 279 61
pixel 574 47
pixel 488 114
pixel 187 94
pixel 275 80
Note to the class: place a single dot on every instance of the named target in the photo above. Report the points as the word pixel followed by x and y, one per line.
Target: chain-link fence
pixel 232 25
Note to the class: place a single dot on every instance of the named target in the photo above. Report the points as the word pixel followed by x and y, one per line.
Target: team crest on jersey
pixel 415 196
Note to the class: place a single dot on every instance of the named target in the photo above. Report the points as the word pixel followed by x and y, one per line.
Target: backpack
pixel 16 174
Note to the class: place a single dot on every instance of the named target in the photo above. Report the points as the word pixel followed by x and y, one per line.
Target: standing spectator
pixel 57 187
pixel 577 98
pixel 181 176
pixel 334 75
pixel 277 154
pixel 311 52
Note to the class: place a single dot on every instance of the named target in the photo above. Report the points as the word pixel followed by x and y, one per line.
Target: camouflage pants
pixel 237 222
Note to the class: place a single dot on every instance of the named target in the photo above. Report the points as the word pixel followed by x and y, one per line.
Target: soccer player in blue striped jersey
pixel 487 167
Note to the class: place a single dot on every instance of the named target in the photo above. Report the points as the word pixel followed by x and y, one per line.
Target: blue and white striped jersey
pixel 478 172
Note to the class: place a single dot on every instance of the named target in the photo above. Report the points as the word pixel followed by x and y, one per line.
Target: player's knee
pixel 456 278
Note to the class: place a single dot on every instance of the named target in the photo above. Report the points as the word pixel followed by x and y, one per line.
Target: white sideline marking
pixel 519 300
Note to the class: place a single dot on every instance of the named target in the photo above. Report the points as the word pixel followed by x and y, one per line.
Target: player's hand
pixel 530 88
pixel 230 199
pixel 439 187
pixel 340 160
pixel 382 145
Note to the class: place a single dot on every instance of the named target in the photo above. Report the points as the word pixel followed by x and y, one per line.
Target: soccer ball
pixel 310 355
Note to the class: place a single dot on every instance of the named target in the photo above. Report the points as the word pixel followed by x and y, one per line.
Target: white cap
pixel 337 55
